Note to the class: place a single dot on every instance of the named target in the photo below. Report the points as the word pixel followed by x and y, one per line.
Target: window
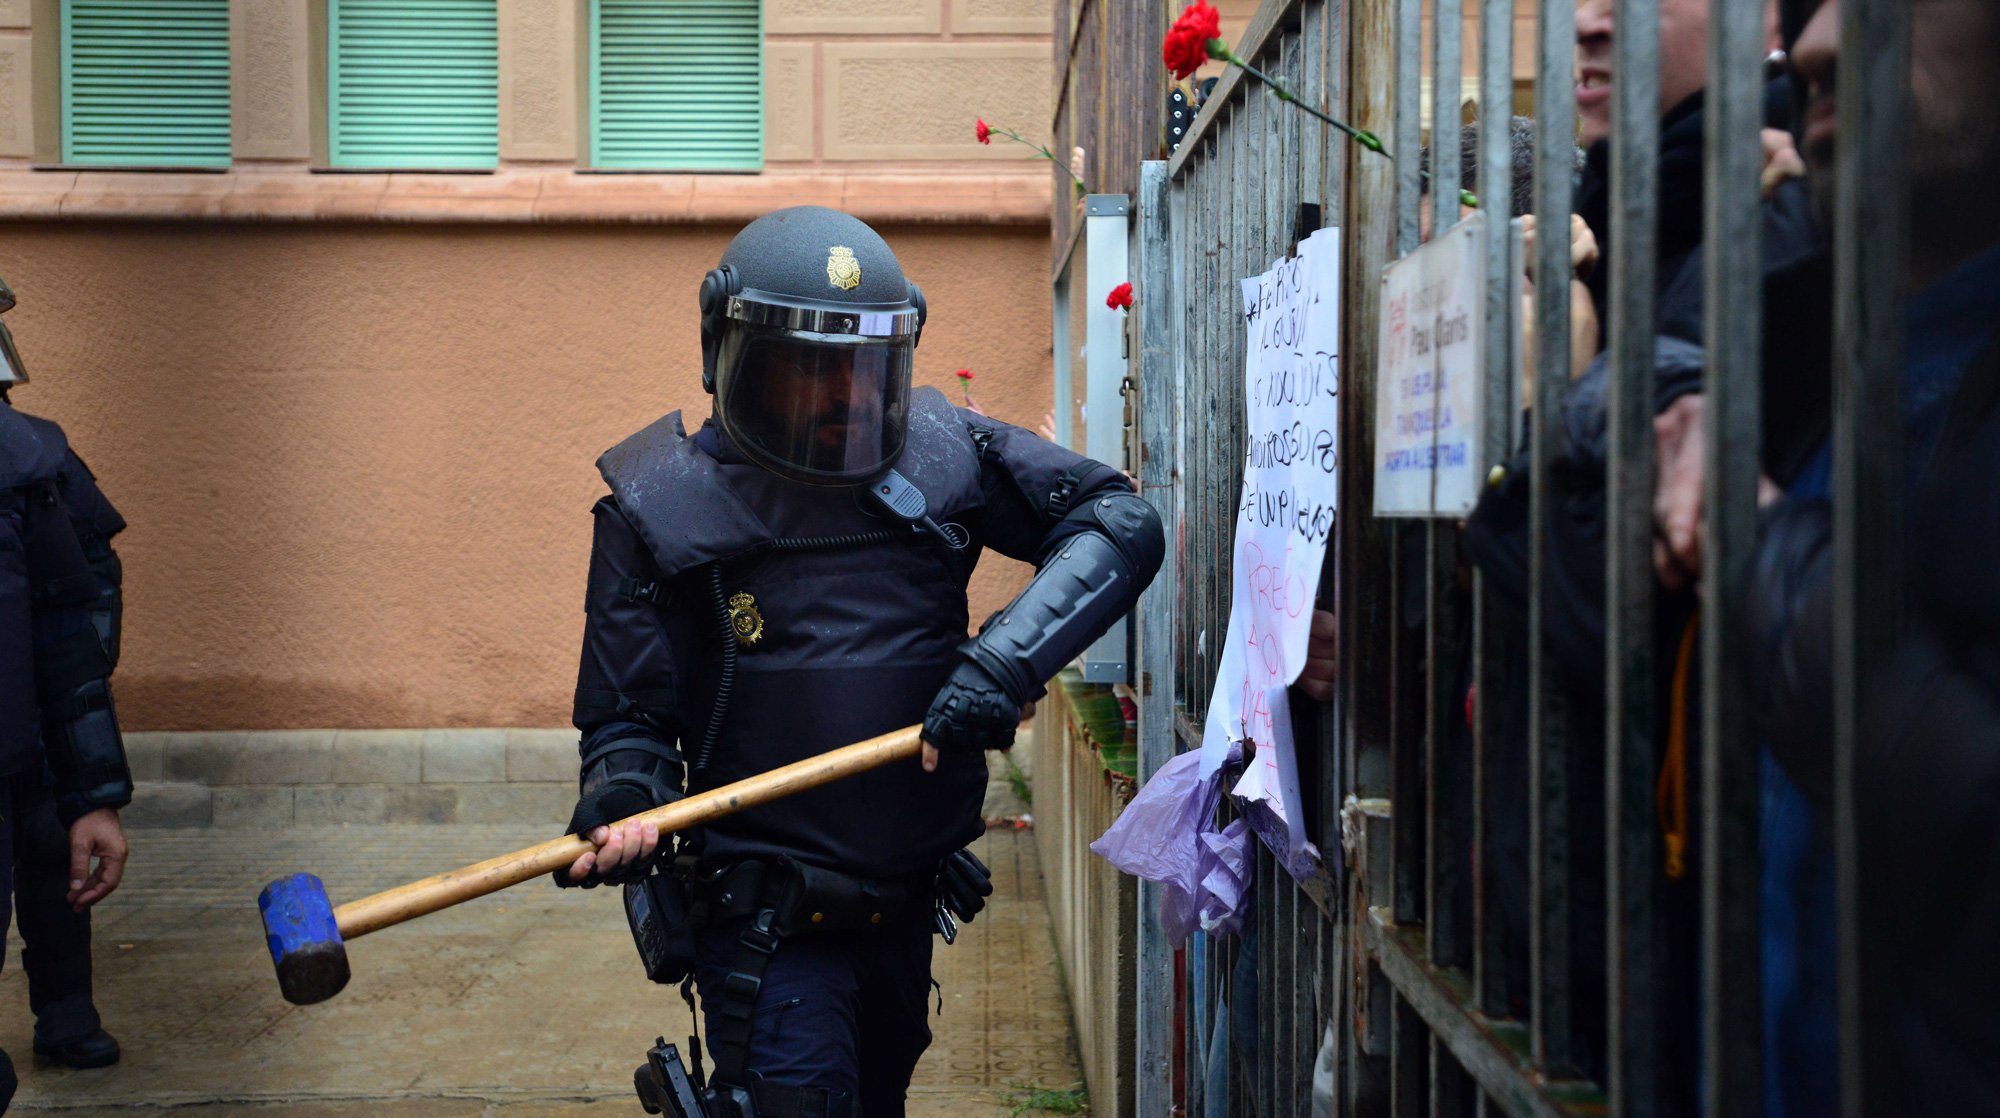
pixel 145 83
pixel 677 85
pixel 413 83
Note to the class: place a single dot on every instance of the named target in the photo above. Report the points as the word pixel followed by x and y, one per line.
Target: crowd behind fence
pixel 1623 973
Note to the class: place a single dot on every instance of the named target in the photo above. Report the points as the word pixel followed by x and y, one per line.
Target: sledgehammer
pixel 308 936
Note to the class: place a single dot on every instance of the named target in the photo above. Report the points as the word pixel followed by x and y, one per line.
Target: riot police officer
pixel 790 578
pixel 63 773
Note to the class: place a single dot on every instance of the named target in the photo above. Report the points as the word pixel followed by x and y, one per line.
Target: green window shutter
pixel 145 83
pixel 677 85
pixel 413 83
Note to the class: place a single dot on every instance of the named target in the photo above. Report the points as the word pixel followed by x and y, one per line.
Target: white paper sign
pixel 1285 516
pixel 1427 412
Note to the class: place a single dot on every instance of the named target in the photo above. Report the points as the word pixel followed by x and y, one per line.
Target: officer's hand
pixel 96 835
pixel 620 850
pixel 972 712
pixel 624 850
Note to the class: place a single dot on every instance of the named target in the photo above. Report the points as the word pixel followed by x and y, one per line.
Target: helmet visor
pixel 826 409
pixel 12 371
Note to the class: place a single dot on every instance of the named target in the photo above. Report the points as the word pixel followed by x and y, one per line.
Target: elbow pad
pixel 1087 583
pixel 639 767
pixel 107 609
pixel 86 751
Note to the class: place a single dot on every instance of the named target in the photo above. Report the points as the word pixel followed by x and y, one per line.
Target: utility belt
pixel 668 907
pixel 804 898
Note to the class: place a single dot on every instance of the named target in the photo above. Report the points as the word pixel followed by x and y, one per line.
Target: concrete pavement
pixel 526 1004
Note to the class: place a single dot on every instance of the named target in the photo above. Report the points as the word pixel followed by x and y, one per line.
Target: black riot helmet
pixel 12 372
pixel 808 333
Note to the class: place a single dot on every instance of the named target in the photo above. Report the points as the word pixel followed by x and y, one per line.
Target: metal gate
pixel 1398 983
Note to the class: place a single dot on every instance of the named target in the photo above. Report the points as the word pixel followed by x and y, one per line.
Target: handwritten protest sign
pixel 1284 518
pixel 1427 412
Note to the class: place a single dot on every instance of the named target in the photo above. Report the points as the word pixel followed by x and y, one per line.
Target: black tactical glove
pixel 963 884
pixel 972 712
pixel 960 892
pixel 604 805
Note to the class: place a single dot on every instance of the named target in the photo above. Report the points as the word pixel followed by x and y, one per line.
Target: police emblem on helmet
pixel 842 269
pixel 744 620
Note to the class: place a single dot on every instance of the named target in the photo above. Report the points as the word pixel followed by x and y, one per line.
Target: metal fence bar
pixel 1446 856
pixel 1268 899
pixel 1548 754
pixel 1633 859
pixel 1362 550
pixel 1731 965
pixel 1496 89
pixel 1156 377
pixel 1407 794
pixel 1410 1062
pixel 1871 242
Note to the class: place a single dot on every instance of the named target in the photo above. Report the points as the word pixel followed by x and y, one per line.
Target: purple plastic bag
pixel 1166 835
pixel 1225 878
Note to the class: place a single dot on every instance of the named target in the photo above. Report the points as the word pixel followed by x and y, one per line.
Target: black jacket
pixel 1795 264
pixel 1928 767
pixel 62 526
pixel 27 465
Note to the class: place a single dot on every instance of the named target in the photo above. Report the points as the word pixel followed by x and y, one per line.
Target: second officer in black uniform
pixel 790 578
pixel 63 773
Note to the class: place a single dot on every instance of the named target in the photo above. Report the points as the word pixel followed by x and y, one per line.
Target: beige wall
pixel 357 457
pixel 846 81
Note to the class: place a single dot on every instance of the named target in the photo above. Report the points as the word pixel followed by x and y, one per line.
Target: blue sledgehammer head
pixel 304 939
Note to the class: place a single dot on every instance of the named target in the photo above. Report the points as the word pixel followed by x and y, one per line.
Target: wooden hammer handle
pixel 420 898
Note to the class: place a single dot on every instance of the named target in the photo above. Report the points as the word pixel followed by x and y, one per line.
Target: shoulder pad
pixel 85 502
pixel 31 449
pixel 677 500
pixel 938 454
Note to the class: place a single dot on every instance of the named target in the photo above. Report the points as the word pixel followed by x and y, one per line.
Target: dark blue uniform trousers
pixel 844 1011
pixel 55 940
pixel 8 1080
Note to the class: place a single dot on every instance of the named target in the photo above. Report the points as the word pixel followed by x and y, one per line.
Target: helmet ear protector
pixel 917 301
pixel 716 288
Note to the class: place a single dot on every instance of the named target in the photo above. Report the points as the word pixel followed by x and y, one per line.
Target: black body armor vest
pixel 837 642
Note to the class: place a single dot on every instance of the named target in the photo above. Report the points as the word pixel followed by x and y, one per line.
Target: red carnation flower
pixel 982 132
pixel 963 374
pixel 1186 46
pixel 1120 298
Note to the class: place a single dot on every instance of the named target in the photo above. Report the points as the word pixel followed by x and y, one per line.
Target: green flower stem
pixel 1045 152
pixel 1219 50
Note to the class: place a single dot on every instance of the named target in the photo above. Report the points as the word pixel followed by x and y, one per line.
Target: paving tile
pixel 253 805
pixel 542 755
pixel 464 756
pixel 377 757
pixel 548 802
pixel 421 803
pixel 340 803
pixel 146 754
pixel 169 804
pixel 523 1004
pixel 285 757
pixel 206 758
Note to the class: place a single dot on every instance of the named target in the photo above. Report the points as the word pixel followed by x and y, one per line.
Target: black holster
pixel 659 908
